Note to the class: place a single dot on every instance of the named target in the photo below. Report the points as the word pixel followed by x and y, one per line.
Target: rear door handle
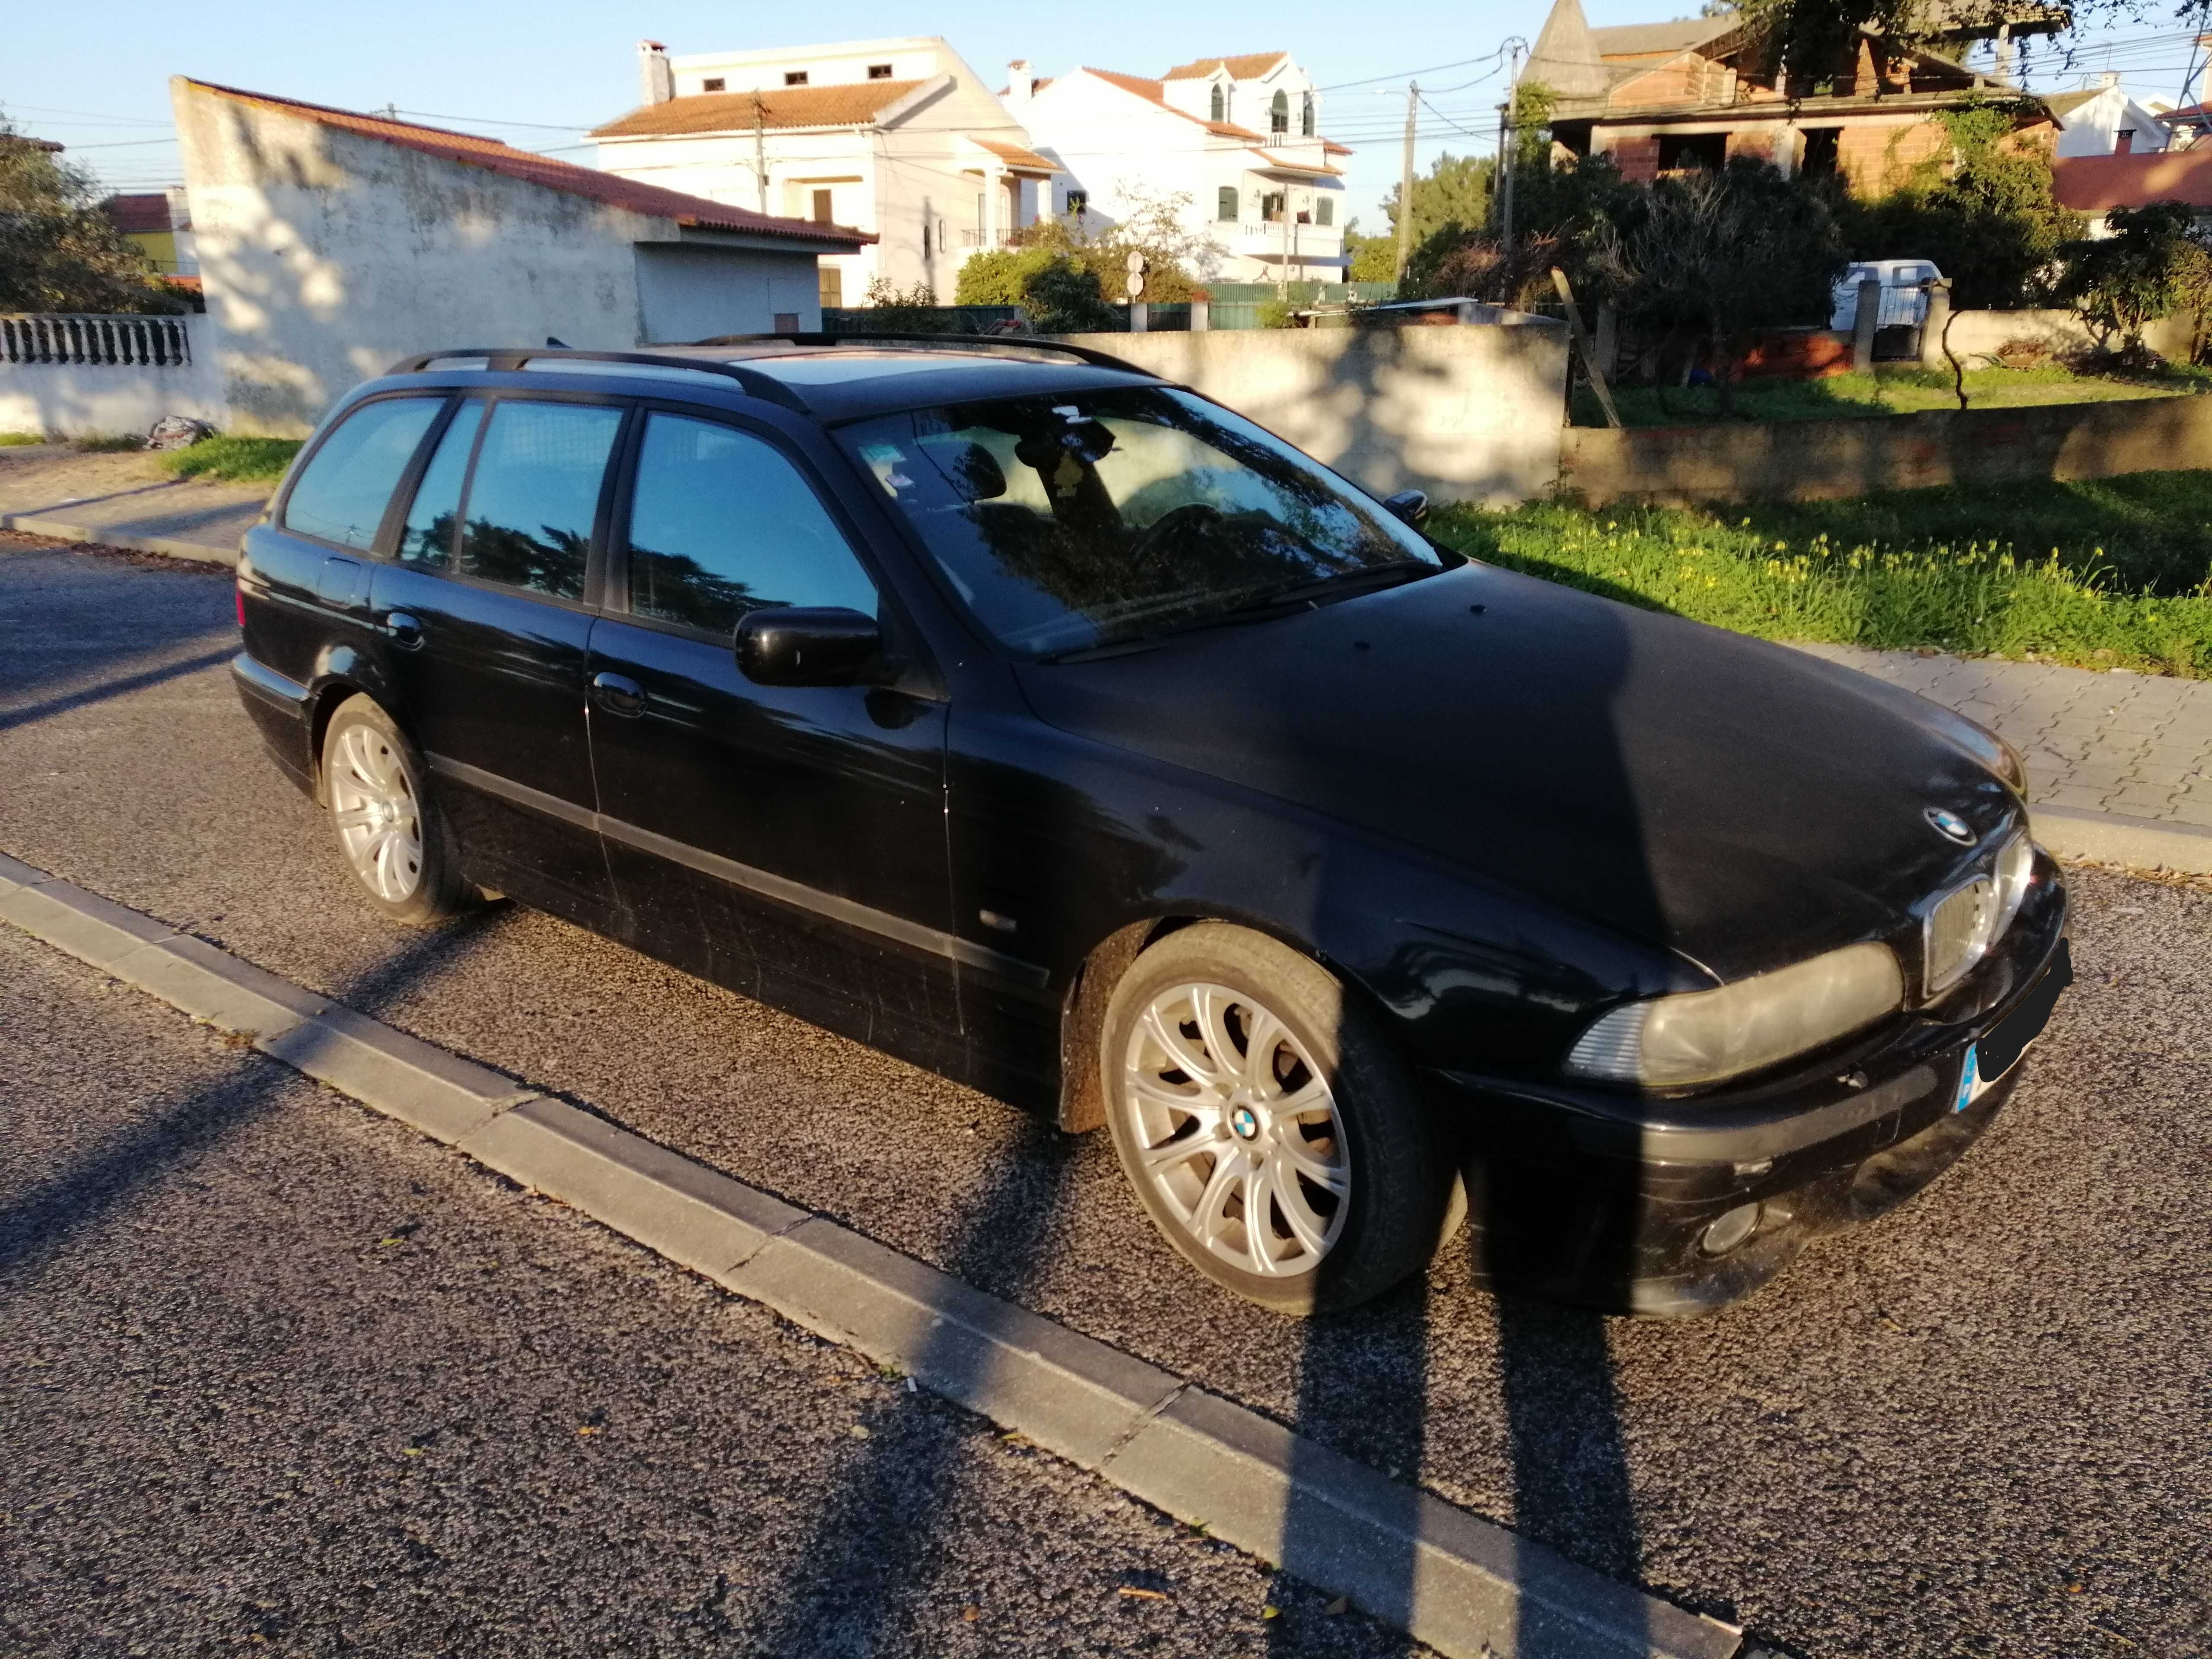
pixel 618 694
pixel 406 632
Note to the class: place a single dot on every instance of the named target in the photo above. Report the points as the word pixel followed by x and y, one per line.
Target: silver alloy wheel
pixel 1236 1130
pixel 373 807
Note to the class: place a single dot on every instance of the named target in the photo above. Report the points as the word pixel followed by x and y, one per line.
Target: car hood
pixel 1740 803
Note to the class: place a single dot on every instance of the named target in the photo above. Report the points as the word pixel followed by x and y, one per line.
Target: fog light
pixel 1730 1230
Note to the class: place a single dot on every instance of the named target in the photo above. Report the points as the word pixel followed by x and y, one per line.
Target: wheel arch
pixel 1082 1106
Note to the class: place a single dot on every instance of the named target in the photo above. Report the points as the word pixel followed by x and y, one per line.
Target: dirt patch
pixel 17 541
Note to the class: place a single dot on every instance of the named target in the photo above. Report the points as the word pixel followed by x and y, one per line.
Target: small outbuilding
pixel 332 243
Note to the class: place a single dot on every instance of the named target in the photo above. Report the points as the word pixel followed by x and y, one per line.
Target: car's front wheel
pixel 388 824
pixel 1267 1125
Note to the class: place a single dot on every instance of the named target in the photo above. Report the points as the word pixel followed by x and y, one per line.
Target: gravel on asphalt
pixel 1977 1426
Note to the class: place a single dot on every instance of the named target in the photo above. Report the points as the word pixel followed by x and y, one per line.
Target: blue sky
pixel 535 72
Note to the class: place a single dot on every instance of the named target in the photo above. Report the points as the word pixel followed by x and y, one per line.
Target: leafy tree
pixel 1724 252
pixel 1057 293
pixel 59 251
pixel 2120 283
pixel 1455 191
pixel 1992 226
pixel 1374 258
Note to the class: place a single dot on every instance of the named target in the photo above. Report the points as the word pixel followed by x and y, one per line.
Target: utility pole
pixel 1509 139
pixel 760 150
pixel 1406 182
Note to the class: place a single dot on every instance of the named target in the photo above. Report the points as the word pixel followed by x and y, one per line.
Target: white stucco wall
pixel 687 292
pixel 328 255
pixel 1468 413
pixel 92 400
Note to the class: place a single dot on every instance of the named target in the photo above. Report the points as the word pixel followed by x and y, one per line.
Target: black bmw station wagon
pixel 1017 713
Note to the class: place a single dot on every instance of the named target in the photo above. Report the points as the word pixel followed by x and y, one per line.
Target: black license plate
pixel 2008 1039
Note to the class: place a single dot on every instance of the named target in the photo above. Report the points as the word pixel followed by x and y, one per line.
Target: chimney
pixel 2109 79
pixel 656 80
pixel 1021 82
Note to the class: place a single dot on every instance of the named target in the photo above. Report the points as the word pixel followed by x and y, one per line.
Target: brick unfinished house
pixel 1663 97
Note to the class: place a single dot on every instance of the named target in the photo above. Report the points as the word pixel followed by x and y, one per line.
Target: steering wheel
pixel 1158 537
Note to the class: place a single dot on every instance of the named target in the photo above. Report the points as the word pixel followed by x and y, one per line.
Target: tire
pixel 1350 1191
pixel 386 823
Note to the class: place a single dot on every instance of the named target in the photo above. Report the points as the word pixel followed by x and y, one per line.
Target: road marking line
pixel 1461 1584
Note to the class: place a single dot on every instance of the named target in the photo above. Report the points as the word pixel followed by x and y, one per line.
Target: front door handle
pixel 618 694
pixel 406 632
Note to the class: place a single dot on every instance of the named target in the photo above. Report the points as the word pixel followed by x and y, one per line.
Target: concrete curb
pixel 38 524
pixel 2076 832
pixel 1461 1584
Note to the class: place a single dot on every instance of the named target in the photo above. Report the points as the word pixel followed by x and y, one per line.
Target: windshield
pixel 1075 521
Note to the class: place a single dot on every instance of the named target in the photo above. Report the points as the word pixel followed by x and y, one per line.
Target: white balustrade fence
pixel 122 341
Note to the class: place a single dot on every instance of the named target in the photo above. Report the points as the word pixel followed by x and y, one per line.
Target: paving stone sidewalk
pixel 122 495
pixel 2137 744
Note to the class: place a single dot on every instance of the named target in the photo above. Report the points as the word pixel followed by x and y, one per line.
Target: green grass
pixel 2114 574
pixel 1893 390
pixel 17 439
pixel 234 460
pixel 111 444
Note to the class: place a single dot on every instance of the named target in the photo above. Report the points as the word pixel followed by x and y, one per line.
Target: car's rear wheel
pixel 388 827
pixel 1269 1128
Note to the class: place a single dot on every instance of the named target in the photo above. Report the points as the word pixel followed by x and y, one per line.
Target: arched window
pixel 1306 118
pixel 1220 104
pixel 1279 115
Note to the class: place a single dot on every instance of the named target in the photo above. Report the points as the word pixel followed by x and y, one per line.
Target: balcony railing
pixel 58 337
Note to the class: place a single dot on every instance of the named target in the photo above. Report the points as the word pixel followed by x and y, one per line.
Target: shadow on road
pixel 105 691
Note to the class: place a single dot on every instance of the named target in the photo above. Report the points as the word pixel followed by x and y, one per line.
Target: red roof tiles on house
pixel 1248 66
pixel 1014 155
pixel 1155 92
pixel 567 177
pixel 139 215
pixel 2098 183
pixel 853 105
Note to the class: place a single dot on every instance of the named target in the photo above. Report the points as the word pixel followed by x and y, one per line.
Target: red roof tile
pixel 854 104
pixel 1156 92
pixel 2097 183
pixel 1015 156
pixel 139 215
pixel 543 170
pixel 1247 66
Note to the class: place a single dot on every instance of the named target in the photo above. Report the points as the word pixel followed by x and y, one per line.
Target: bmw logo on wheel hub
pixel 1245 1121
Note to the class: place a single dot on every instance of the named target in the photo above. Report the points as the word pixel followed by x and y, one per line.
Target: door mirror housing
pixel 1411 505
pixel 808 645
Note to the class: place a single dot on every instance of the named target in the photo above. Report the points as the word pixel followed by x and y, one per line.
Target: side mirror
pixel 1411 505
pixel 807 645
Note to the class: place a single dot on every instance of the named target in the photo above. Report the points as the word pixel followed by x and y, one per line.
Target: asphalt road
pixel 275 1371
pixel 1982 1424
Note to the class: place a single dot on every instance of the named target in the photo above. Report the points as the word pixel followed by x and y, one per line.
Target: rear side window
pixel 723 524
pixel 428 540
pixel 535 494
pixel 342 496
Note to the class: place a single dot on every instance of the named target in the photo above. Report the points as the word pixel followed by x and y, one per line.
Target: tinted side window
pixel 428 540
pixel 723 524
pixel 342 496
pixel 535 494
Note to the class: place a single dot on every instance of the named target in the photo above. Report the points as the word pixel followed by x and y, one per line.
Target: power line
pixel 1402 75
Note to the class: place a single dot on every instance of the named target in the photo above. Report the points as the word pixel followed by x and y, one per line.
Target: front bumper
pixel 1606 1198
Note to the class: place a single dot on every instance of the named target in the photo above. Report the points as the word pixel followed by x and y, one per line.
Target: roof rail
pixel 750 380
pixel 973 342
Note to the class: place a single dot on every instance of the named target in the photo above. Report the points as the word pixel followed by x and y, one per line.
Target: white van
pixel 1903 293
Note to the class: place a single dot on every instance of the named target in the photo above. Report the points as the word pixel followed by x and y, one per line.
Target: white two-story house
pixel 1238 138
pixel 897 137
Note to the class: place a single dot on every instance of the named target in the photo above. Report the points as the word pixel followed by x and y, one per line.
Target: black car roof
pixel 832 378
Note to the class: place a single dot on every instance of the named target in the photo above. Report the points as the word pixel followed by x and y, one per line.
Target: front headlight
pixel 1702 1036
pixel 1973 916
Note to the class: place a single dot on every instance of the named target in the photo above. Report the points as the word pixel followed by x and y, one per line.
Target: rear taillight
pixel 241 607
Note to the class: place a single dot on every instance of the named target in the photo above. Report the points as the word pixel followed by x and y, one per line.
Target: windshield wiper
pixel 1268 603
